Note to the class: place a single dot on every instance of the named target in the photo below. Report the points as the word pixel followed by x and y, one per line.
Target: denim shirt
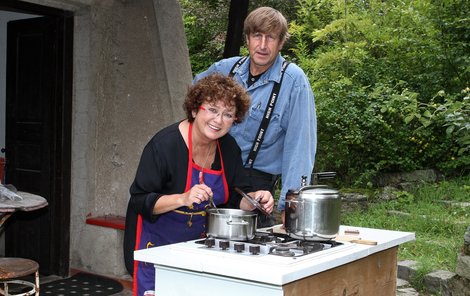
pixel 290 141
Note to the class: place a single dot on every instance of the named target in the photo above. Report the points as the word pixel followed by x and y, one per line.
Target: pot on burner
pixel 313 213
pixel 231 224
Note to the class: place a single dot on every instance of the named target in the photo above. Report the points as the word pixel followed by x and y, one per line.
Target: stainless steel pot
pixel 232 224
pixel 313 213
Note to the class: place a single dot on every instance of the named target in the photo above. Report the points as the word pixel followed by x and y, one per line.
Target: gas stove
pixel 268 243
pixel 254 267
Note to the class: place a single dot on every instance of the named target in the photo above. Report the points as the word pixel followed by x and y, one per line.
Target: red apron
pixel 182 224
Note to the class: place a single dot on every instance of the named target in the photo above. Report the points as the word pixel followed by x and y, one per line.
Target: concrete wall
pixel 131 72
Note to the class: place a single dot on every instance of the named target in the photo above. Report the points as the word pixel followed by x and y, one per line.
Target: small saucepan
pixel 231 224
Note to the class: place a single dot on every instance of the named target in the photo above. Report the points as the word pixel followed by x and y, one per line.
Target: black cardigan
pixel 163 170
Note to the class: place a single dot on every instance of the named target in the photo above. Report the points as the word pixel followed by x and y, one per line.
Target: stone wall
pixel 440 282
pixel 131 72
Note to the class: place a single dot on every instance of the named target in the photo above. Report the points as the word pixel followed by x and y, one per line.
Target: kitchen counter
pixel 189 262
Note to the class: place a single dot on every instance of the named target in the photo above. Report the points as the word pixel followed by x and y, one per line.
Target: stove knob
pixel 209 242
pixel 224 245
pixel 254 250
pixel 239 247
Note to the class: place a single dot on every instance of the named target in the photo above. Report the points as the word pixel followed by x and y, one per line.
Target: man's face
pixel 263 48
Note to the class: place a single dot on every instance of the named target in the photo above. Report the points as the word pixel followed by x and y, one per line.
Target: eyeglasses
pixel 260 36
pixel 214 112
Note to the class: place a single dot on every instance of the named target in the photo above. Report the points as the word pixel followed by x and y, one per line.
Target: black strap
pixel 263 127
pixel 236 66
pixel 267 113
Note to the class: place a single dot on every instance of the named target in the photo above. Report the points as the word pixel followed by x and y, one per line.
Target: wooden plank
pixel 373 275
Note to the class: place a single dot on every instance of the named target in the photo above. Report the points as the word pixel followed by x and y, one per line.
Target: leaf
pixel 449 130
pixel 424 121
pixel 409 118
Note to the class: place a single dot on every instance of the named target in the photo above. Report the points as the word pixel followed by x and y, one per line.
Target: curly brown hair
pixel 214 88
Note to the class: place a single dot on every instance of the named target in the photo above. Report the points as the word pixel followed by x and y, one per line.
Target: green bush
pixel 387 78
pixel 385 83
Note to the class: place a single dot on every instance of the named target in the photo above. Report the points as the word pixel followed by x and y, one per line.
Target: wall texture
pixel 131 72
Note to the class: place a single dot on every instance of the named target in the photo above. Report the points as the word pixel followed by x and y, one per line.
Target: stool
pixel 13 268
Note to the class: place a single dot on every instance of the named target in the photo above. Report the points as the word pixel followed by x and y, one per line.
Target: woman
pixel 184 166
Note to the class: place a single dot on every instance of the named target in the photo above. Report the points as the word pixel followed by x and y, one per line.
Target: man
pixel 285 142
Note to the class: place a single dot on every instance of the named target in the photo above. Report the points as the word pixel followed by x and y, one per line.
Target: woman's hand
pixel 197 194
pixel 264 197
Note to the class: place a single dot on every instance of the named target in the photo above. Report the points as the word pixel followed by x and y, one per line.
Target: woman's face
pixel 215 119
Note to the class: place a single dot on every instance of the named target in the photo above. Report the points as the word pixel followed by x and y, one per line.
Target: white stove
pixel 249 267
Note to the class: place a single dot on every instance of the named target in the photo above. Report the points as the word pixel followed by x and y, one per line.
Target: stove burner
pixel 310 247
pixel 263 237
pixel 281 251
pixel 268 244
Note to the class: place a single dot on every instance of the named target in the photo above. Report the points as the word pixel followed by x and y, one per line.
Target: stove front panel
pixel 275 246
pixel 176 282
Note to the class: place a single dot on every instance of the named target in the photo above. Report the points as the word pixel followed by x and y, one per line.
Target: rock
pixel 459 286
pixel 388 193
pixel 463 266
pixel 406 186
pixel 466 242
pixel 396 179
pixel 407 292
pixel 399 213
pixel 353 197
pixel 466 237
pixel 353 202
pixel 407 269
pixel 452 203
pixel 438 282
pixel 401 283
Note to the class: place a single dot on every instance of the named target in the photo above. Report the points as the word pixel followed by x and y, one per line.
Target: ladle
pixel 212 204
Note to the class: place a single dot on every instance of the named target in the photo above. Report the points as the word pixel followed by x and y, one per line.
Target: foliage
pixel 433 213
pixel 390 78
pixel 205 30
pixel 206 24
pixel 387 85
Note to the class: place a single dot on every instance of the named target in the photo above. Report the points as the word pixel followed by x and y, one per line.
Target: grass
pixel 432 213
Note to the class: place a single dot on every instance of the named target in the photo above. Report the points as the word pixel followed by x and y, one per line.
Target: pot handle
pixel 243 222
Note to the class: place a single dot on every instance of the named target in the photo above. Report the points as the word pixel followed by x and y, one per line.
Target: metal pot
pixel 232 224
pixel 313 213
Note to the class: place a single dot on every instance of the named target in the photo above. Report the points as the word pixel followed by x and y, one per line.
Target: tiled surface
pixel 124 292
pixel 46 279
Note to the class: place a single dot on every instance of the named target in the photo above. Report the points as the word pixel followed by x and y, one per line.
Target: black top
pixel 253 78
pixel 163 170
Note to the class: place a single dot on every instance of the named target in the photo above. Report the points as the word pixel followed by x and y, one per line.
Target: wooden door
pixel 38 138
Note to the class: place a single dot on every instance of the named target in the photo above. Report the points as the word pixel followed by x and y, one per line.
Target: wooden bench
pixel 110 221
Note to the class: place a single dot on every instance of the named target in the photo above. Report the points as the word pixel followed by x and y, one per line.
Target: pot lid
pixel 319 192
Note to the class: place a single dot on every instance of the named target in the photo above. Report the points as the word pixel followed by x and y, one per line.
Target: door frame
pixel 63 115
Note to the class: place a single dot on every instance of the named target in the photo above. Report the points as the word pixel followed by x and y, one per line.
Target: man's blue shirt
pixel 290 141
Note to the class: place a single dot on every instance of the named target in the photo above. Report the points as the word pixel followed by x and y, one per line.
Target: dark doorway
pixel 38 134
pixel 236 17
